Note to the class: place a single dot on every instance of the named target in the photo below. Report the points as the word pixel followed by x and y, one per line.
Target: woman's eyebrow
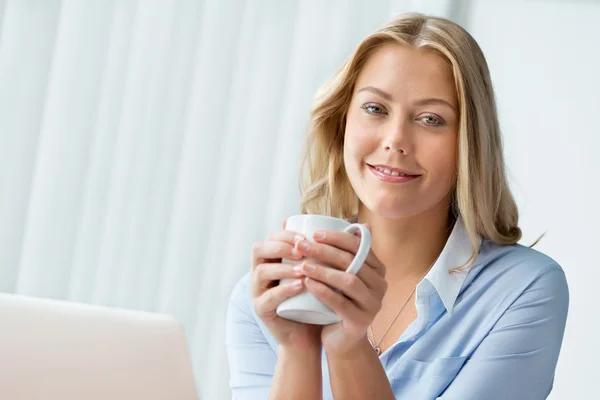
pixel 434 100
pixel 377 91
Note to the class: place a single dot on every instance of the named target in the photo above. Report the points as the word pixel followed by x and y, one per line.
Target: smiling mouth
pixel 392 175
pixel 392 171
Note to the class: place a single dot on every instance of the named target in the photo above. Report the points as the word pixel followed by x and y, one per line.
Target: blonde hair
pixel 481 194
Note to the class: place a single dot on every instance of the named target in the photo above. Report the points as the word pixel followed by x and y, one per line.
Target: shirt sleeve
pixel 518 358
pixel 251 358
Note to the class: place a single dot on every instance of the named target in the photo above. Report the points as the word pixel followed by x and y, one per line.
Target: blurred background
pixel 146 145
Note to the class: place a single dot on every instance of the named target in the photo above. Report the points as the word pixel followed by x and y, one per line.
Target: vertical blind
pixel 145 145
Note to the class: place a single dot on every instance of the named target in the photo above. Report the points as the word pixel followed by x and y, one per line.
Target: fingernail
pixel 298 238
pixel 308 267
pixel 297 283
pixel 319 235
pixel 302 246
pixel 296 254
pixel 298 269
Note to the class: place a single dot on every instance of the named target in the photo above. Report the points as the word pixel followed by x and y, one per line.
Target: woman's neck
pixel 408 246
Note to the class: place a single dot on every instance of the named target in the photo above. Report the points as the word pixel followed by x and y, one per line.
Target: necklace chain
pixel 371 336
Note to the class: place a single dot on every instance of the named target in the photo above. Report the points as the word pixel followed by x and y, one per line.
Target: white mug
pixel 305 307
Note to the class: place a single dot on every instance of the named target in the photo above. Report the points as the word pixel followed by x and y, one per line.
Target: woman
pixel 404 138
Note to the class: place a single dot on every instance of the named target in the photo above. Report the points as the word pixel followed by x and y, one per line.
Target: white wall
pixel 544 58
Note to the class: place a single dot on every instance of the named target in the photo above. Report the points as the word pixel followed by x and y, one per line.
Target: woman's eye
pixel 432 120
pixel 372 109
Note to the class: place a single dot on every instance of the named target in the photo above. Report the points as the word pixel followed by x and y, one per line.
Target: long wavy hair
pixel 481 194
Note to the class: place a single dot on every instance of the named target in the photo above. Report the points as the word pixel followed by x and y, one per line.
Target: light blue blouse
pixel 491 333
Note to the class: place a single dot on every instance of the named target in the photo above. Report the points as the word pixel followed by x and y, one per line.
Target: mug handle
pixel 363 248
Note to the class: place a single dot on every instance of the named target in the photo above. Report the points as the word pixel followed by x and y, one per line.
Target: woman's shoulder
pixel 518 258
pixel 508 276
pixel 514 269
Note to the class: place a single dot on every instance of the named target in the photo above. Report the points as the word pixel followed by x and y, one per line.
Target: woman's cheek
pixel 361 138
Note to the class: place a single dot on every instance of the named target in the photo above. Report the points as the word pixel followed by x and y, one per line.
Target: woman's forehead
pixel 401 71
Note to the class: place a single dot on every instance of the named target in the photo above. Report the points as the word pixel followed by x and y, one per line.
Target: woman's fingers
pixel 266 303
pixel 372 279
pixel 340 259
pixel 267 268
pixel 277 246
pixel 325 253
pixel 350 285
pixel 290 237
pixel 264 274
pixel 343 241
pixel 346 309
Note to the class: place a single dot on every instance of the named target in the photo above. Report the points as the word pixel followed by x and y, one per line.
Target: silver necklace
pixel 371 336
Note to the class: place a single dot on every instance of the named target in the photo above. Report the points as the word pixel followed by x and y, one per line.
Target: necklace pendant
pixel 377 350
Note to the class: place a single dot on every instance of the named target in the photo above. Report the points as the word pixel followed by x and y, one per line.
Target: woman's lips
pixel 391 178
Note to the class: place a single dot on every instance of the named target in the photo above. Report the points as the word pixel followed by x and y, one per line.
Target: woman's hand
pixel 267 270
pixel 361 296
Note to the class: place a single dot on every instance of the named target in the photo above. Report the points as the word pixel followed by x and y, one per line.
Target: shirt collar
pixel 456 252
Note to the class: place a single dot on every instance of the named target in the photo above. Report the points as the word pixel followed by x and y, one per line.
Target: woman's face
pixel 400 144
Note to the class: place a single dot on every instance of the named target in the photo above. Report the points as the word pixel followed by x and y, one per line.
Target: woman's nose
pixel 397 138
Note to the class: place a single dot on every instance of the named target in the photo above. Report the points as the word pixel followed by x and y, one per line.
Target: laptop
pixel 53 349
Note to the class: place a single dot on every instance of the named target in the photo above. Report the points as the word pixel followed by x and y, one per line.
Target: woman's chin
pixel 394 211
